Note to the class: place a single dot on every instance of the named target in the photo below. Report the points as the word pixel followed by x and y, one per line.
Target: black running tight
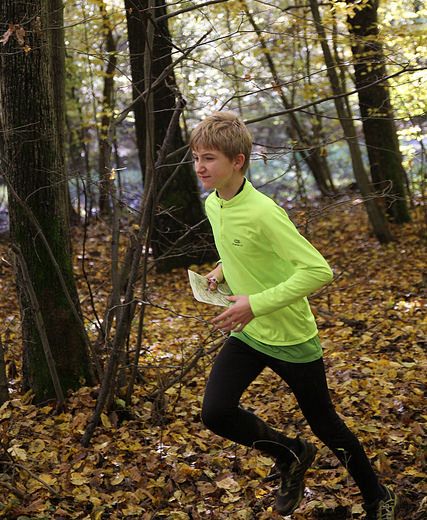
pixel 238 364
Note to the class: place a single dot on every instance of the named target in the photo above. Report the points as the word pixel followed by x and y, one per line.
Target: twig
pixel 28 287
pixel 4 389
pixel 330 98
pixel 158 81
pixel 36 224
pixel 33 475
pixel 20 494
pixel 122 328
pixel 201 352
pixel 187 9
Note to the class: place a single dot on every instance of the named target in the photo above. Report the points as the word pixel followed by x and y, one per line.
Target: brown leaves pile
pixel 370 325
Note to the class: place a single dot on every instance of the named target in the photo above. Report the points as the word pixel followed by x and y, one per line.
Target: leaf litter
pixel 371 324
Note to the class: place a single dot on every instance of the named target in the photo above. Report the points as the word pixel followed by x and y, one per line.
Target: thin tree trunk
pixel 316 164
pixel 56 24
pixel 79 152
pixel 38 220
pixel 106 114
pixel 125 316
pixel 4 386
pixel 375 107
pixel 376 216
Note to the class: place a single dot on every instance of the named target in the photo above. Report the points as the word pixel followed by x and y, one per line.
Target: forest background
pixel 104 352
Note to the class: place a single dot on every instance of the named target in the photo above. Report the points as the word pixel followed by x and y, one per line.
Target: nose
pixel 199 167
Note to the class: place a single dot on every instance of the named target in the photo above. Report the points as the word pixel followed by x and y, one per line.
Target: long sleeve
pixel 308 269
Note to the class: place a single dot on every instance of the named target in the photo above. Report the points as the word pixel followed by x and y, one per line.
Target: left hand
pixel 235 317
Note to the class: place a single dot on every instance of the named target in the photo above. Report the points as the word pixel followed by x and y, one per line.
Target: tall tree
pixel 106 112
pixel 34 170
pixel 375 213
pixel 375 106
pixel 57 41
pixel 181 235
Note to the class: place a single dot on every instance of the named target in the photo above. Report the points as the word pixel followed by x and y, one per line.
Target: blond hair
pixel 226 132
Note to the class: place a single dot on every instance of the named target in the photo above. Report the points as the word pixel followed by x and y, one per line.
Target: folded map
pixel 200 287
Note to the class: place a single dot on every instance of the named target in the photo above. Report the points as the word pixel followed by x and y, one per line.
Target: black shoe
pixel 385 508
pixel 291 488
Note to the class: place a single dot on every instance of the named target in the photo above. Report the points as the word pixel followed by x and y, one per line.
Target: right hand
pixel 215 277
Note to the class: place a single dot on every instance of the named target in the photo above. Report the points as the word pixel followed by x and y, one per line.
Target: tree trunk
pixel 181 235
pixel 56 23
pixel 106 115
pixel 376 216
pixel 34 171
pixel 375 107
pixel 79 158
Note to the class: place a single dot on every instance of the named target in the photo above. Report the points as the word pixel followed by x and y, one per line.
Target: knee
pixel 334 433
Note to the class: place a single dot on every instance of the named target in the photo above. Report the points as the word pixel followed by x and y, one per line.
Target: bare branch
pixel 41 329
pixel 122 116
pixel 188 9
pixel 331 98
pixel 33 475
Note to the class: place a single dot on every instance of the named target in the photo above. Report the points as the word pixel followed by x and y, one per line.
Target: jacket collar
pixel 240 195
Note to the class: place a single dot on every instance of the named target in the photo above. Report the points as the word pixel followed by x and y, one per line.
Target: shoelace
pixel 384 511
pixel 386 508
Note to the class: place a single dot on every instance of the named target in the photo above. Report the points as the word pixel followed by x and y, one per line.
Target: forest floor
pixel 161 462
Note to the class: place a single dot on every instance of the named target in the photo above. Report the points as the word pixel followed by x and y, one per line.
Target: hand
pixel 215 277
pixel 235 317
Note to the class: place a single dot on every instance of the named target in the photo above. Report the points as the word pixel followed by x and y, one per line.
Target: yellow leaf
pixel 5 414
pixel 117 479
pixel 229 484
pixel 37 446
pixel 96 513
pixel 82 494
pixel 78 479
pixel 132 510
pixel 229 498
pixel 18 453
pixel 47 478
pixel 105 421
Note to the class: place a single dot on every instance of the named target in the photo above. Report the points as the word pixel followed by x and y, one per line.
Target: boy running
pixel 271 269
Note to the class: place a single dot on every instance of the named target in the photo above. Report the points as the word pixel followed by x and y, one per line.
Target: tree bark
pixel 57 42
pixel 106 115
pixel 373 209
pixel 375 107
pixel 34 170
pixel 180 237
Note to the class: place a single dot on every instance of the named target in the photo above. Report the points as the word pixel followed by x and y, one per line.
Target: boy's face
pixel 216 171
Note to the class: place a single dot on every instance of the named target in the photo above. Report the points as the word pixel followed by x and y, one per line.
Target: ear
pixel 239 161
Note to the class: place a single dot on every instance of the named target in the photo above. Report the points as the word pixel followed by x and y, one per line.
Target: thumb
pixel 232 298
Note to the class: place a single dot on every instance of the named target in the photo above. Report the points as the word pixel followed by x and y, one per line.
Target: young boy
pixel 271 269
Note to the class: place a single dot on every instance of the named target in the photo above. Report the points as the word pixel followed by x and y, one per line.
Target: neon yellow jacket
pixel 264 256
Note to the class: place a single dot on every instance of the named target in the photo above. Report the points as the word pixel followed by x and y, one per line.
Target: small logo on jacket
pixel 237 243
